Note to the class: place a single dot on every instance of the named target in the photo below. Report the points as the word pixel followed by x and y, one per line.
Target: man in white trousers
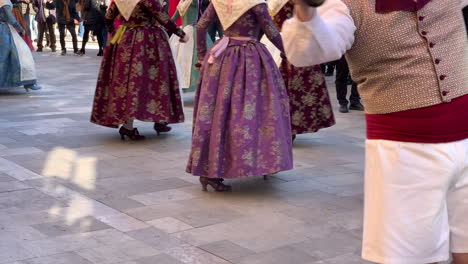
pixel 410 60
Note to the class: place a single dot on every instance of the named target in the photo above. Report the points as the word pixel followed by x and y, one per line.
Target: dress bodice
pixel 146 12
pixel 248 25
pixel 6 16
pixel 191 16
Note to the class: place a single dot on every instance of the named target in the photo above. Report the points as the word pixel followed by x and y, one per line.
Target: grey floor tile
pixel 227 250
pixel 278 256
pixel 170 225
pixel 159 259
pixel 152 212
pixel 117 252
pixel 156 238
pixel 24 200
pixel 207 217
pixel 330 246
pixel 194 255
pixel 13 251
pixel 6 178
pixel 63 258
pixel 347 258
pixel 80 225
pixel 9 186
pixel 121 203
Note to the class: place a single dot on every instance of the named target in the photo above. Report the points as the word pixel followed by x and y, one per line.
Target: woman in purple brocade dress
pixel 241 117
pixel 138 78
pixel 309 102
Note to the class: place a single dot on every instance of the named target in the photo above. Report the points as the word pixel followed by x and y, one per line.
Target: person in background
pixel 410 61
pixel 341 84
pixel 329 68
pixel 18 13
pixel 28 16
pixel 66 15
pixel 165 5
pixel 103 5
pixel 79 10
pixel 16 61
pixel 94 21
pixel 45 23
pixel 309 101
pixel 173 8
pixel 185 54
pixel 33 22
pixel 215 29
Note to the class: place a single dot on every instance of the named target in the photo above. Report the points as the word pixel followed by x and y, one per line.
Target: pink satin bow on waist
pixel 221 46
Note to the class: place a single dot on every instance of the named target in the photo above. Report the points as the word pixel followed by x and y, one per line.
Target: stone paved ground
pixel 73 193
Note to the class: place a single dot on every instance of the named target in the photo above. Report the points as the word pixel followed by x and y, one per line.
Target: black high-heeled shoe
pixel 131 134
pixel 161 128
pixel 216 184
pixel 100 53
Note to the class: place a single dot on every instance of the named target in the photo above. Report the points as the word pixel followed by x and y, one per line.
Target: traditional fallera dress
pixel 173 4
pixel 310 105
pixel 16 61
pixel 19 17
pixel 185 54
pixel 138 78
pixel 241 116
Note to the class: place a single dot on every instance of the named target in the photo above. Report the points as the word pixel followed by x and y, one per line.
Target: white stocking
pixel 129 124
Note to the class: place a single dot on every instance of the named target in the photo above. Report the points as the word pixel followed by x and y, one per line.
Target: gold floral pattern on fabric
pixel 241 116
pixel 138 78
pixel 309 101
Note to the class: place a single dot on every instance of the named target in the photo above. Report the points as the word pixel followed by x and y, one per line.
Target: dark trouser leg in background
pixel 47 36
pixel 71 28
pixel 85 40
pixel 330 68
pixel 104 37
pixel 51 33
pixel 219 28
pixel 354 98
pixel 61 28
pixel 341 82
pixel 213 29
pixel 100 38
pixel 342 75
pixel 212 32
pixel 41 28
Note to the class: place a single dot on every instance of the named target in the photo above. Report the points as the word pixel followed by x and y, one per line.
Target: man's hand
pixel 304 11
pixel 185 39
pixel 198 65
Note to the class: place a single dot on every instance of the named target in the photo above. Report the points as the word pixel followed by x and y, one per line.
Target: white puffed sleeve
pixel 326 37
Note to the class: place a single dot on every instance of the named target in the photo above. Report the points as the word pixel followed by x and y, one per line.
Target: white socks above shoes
pixel 129 124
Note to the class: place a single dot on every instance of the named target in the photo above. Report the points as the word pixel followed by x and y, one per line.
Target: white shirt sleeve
pixel 325 38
